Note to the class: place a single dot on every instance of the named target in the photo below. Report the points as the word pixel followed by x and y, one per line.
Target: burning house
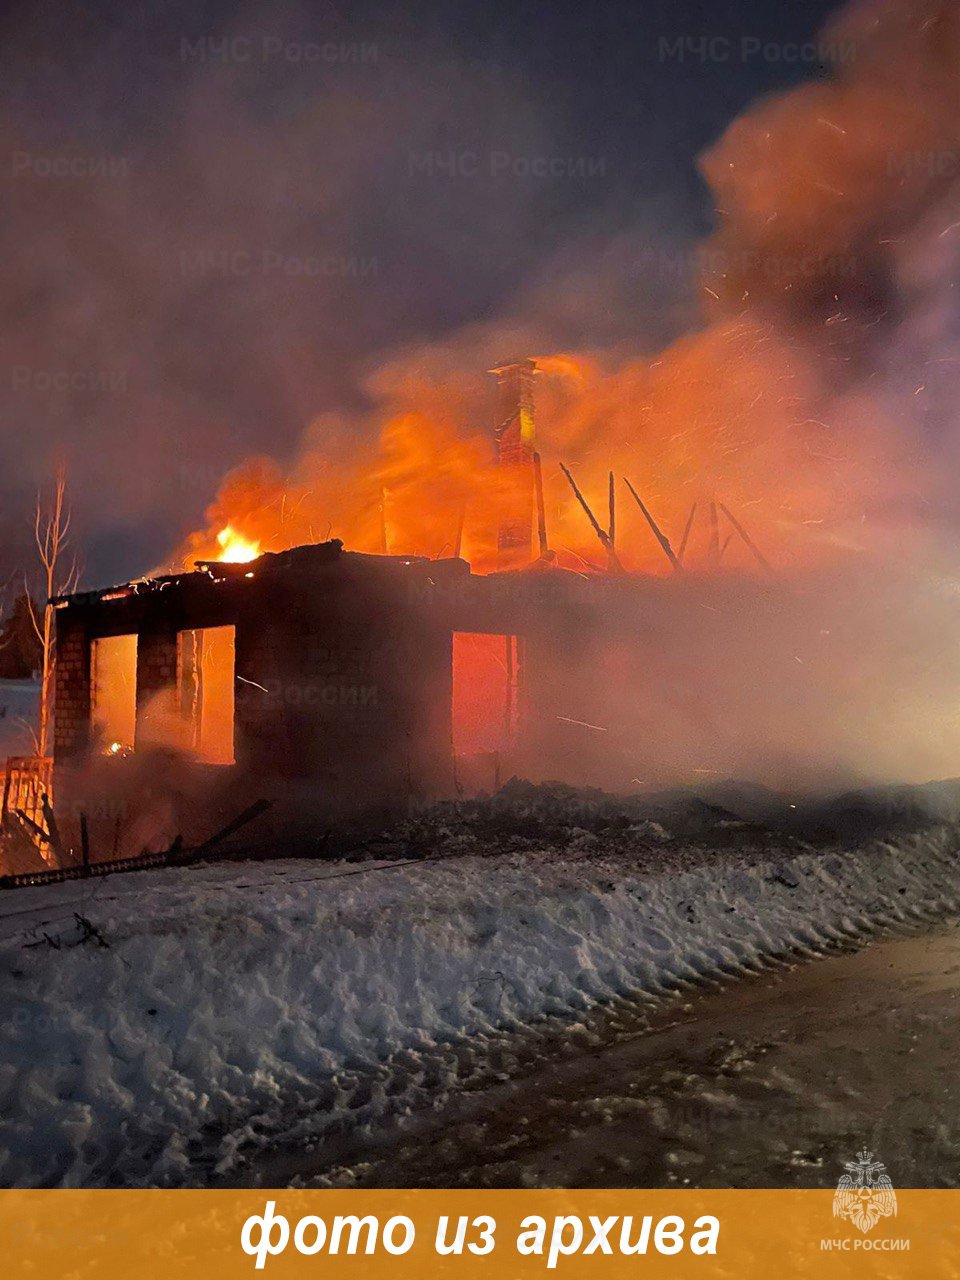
pixel 316 677
pixel 344 687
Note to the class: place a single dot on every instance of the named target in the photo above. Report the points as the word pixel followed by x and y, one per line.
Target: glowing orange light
pixel 236 549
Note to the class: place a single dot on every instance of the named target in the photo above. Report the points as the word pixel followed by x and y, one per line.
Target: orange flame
pixel 235 548
pixel 772 406
pixel 725 415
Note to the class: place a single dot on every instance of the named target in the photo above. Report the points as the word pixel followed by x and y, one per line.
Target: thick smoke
pixel 204 243
pixel 815 393
pixel 815 399
pixel 840 227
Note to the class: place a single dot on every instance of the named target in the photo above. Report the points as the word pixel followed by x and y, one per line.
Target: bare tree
pixel 51 531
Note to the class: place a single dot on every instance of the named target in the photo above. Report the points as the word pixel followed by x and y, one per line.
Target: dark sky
pixel 219 219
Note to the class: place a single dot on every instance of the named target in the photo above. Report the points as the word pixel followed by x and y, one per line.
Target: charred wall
pixel 342 689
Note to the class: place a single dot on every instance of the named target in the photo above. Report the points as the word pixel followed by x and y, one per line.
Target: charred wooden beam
pixel 541 508
pixel 612 509
pixel 32 828
pixel 761 558
pixel 241 820
pixel 597 527
pixel 686 533
pixel 660 536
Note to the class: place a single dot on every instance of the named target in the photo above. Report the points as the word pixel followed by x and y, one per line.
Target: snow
pixel 774 1082
pixel 210 1008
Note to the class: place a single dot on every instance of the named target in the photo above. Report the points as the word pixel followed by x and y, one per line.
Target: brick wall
pixel 156 663
pixel 342 690
pixel 354 696
pixel 71 723
pixel 156 684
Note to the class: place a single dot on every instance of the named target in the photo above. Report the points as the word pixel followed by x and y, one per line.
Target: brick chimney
pixel 516 440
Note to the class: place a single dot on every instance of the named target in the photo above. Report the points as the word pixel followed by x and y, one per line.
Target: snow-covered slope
pixel 213 1002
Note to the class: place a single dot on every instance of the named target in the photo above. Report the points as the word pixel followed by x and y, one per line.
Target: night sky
pixel 212 237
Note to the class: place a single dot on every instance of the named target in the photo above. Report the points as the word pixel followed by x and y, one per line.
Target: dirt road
pixel 775 1081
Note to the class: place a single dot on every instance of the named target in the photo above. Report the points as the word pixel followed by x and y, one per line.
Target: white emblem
pixel 864 1193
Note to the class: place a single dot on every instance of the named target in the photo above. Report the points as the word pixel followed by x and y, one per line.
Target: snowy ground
pixel 774 1081
pixel 190 1019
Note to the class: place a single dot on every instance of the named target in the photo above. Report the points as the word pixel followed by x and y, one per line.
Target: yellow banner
pixel 209 1235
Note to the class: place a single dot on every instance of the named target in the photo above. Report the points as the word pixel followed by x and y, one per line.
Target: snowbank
pixel 222 1000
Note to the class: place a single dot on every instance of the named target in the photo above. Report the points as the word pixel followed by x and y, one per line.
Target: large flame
pixel 726 417
pixel 789 425
pixel 234 548
pixel 783 407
